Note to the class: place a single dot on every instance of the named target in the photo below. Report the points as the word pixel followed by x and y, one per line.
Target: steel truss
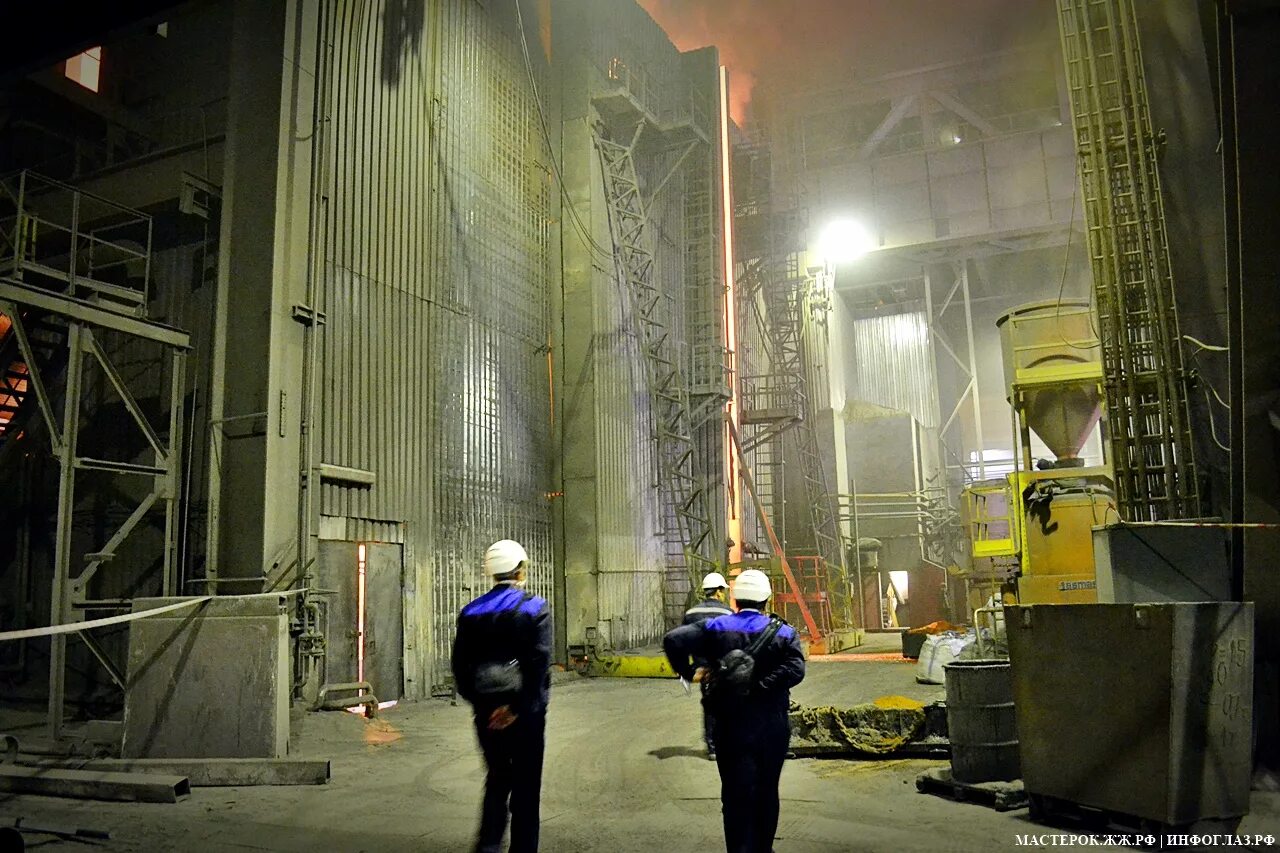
pixel 685 491
pixel 966 363
pixel 81 304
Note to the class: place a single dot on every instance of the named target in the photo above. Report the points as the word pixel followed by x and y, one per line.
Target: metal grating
pixel 1150 434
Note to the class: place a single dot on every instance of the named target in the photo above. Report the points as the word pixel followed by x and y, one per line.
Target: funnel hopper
pixel 1063 417
pixel 1051 354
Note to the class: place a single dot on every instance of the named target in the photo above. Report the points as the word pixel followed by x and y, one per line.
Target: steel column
pixel 58 610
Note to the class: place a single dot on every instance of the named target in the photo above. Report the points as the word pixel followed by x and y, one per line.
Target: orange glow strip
pixel 733 519
pixel 551 383
pixel 361 565
pixel 382 706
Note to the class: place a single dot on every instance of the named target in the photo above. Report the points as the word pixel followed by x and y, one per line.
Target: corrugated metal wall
pixel 629 542
pixel 433 365
pixel 893 364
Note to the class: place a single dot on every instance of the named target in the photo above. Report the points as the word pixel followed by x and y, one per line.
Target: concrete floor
pixel 624 772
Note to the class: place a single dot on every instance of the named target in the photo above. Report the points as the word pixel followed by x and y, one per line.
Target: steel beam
pixel 974 396
pixel 896 114
pixel 62 538
pixel 955 105
pixel 89 464
pixel 103 658
pixel 224 772
pixel 171 482
pixel 93 784
pixel 122 389
pixel 87 312
pixel 108 550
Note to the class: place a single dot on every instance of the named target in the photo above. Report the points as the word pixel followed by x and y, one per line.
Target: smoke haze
pixel 773 42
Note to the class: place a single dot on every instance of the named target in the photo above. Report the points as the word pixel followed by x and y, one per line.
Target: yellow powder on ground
pixel 869 728
pixel 897 702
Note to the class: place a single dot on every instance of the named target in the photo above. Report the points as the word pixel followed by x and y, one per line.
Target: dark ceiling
pixel 51 30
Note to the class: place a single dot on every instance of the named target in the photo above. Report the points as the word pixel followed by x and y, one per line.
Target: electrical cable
pixel 583 231
pixel 1213 429
pixel 1203 346
pixel 1216 395
pixel 1062 283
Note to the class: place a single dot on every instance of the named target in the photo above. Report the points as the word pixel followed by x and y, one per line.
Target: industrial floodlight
pixel 844 240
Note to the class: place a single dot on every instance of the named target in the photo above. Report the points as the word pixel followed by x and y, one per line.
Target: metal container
pixel 980 721
pixel 1138 563
pixel 1141 710
pixel 1051 351
pixel 211 680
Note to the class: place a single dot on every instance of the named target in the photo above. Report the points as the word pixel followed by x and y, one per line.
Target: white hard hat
pixel 715 580
pixel 752 585
pixel 503 557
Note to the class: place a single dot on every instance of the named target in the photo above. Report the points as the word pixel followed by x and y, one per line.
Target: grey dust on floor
pixel 624 772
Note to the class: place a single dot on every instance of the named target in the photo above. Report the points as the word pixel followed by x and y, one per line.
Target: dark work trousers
pixel 514 782
pixel 751 747
pixel 708 723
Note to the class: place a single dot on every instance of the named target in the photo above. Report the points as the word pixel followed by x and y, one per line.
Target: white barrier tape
pixel 71 627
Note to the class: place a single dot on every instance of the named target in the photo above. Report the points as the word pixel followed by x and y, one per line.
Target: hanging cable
pixel 1203 346
pixel 583 231
pixel 1213 429
pixel 1062 283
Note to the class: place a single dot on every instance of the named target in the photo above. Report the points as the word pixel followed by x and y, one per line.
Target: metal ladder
pixel 688 527
pixel 786 300
pixel 1145 383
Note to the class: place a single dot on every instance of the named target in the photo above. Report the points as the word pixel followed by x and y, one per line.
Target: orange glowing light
pixel 361 565
pixel 733 509
pixel 382 706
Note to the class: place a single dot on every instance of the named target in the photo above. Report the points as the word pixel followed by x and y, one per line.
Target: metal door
pixel 384 620
pixel 364 638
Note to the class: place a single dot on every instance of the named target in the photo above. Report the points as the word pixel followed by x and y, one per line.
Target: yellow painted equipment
pixel 619 665
pixel 988 513
pixel 1053 371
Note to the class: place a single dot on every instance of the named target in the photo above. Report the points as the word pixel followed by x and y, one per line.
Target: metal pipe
pixel 977 625
pixel 315 261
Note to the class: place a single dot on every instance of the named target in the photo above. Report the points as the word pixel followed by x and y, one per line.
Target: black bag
pixel 501 678
pixel 498 679
pixel 734 675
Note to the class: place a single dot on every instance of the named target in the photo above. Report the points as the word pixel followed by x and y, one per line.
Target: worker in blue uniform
pixel 501 665
pixel 715 594
pixel 756 660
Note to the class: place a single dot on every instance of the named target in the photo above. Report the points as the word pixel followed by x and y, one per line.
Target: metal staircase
pixel 688 526
pixel 781 400
pixel 818 496
pixel 1145 384
pixel 46 341
pixel 75 273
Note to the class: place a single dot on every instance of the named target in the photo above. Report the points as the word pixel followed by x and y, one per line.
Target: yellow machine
pixel 1054 375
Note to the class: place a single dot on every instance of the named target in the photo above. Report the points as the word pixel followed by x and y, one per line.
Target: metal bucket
pixel 980 721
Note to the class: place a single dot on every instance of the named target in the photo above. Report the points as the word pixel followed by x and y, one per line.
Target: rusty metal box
pixel 1142 710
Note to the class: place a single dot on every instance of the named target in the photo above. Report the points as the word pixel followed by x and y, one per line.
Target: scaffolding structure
pixel 1145 384
pixel 779 415
pixel 689 527
pixel 75 271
